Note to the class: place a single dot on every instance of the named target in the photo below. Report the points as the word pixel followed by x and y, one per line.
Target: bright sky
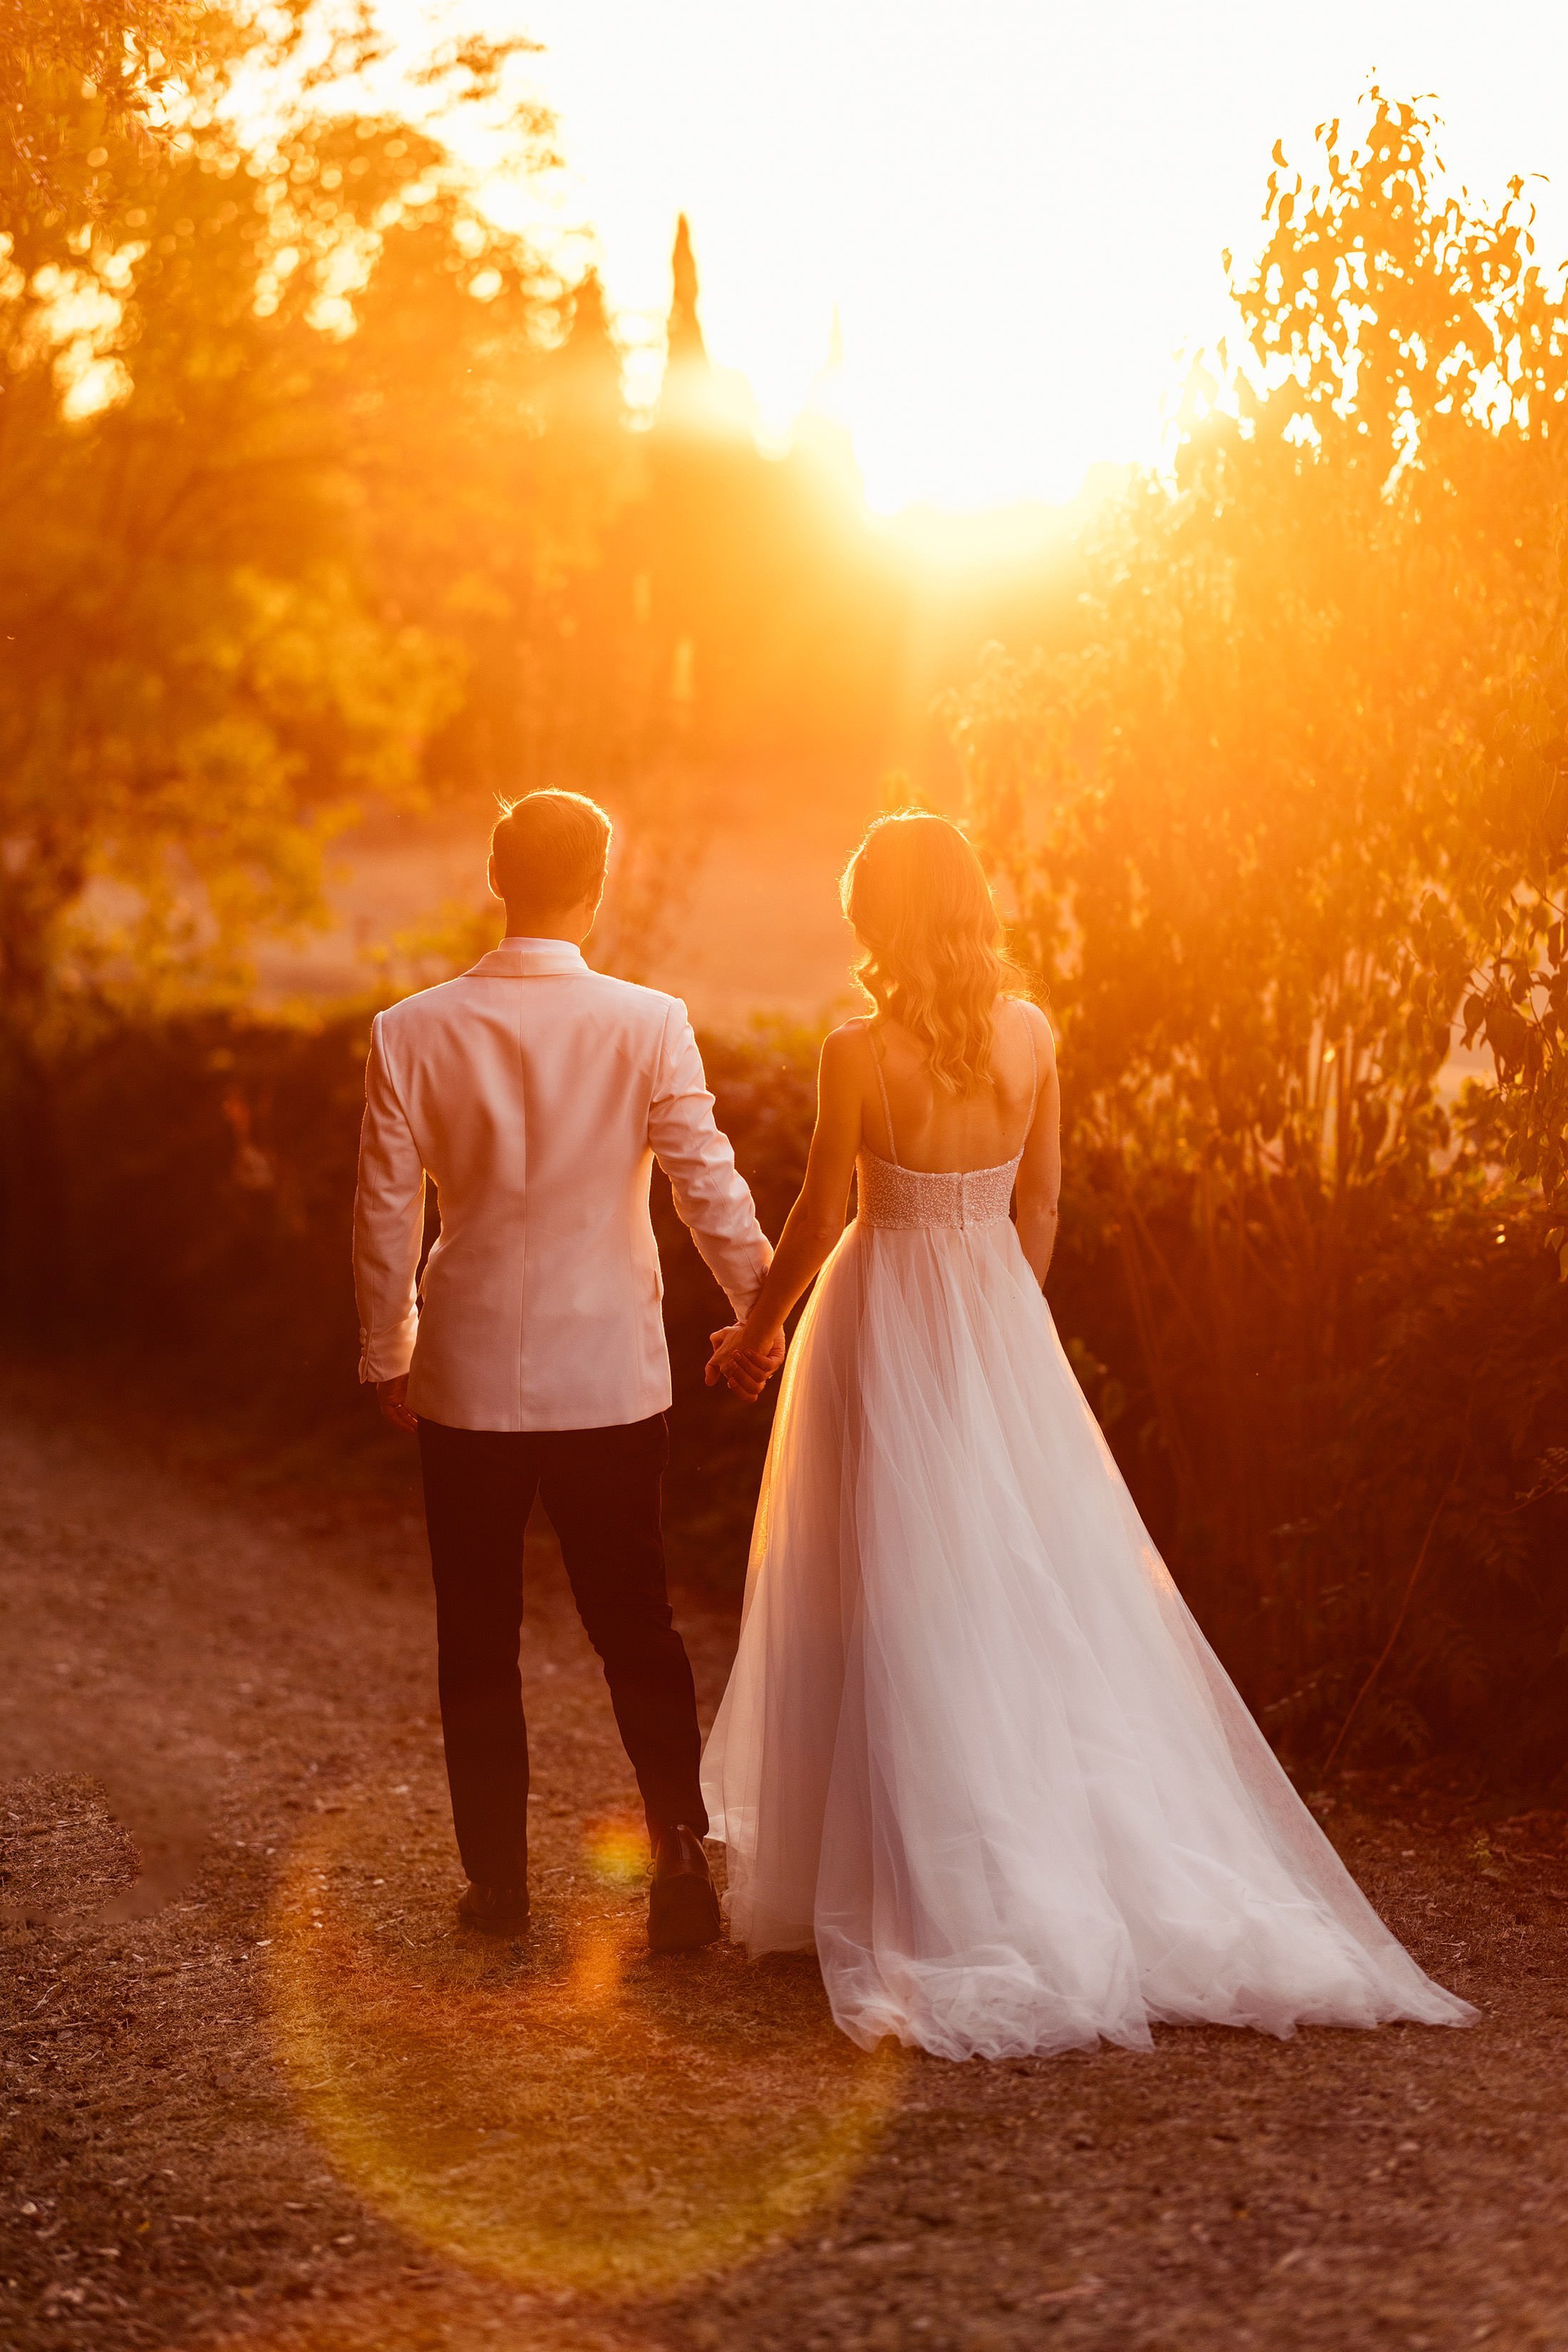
pixel 1018 206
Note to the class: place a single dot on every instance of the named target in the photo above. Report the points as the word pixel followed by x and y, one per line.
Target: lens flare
pixel 617 1851
pixel 568 2113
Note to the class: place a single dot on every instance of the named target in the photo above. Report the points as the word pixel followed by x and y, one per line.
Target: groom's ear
pixel 491 879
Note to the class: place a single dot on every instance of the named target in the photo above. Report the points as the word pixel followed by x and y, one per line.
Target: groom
pixel 536 1093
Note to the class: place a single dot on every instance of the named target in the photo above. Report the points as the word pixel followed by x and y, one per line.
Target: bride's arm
pixel 815 1223
pixel 1040 1181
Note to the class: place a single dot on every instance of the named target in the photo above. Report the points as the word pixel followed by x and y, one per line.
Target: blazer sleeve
pixel 389 1223
pixel 712 1198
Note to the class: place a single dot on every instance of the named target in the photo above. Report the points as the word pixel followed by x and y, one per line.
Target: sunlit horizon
pixel 1019 216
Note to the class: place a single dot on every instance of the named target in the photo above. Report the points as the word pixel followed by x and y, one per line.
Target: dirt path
pixel 261 2091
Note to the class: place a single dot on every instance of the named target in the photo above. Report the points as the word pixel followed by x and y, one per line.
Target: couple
pixel 975 1750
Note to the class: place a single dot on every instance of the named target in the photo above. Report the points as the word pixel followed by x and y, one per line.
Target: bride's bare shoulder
pixel 849 1037
pixel 845 1050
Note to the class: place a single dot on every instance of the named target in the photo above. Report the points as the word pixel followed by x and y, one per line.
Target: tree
pixel 197 674
pixel 684 342
pixel 1242 808
pixel 293 524
pixel 127 52
pixel 260 399
pixel 1428 354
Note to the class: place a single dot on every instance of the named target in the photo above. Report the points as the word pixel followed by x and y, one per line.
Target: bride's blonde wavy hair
pixel 921 907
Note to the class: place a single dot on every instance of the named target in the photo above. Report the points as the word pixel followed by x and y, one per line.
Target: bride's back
pixel 953 1058
pixel 940 1132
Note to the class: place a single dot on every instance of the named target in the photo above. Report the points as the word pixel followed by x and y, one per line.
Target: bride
pixel 974 1749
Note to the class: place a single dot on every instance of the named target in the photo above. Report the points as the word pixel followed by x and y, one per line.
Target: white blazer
pixel 536 1093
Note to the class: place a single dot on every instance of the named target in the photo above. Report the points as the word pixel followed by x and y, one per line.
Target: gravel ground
pixel 260 2091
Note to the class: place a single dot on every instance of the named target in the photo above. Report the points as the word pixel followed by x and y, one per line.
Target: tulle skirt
pixel 974 1749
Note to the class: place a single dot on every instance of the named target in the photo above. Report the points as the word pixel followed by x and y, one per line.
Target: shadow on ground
pixel 262 2092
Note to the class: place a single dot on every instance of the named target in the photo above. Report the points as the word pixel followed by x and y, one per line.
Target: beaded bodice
pixel 904 1198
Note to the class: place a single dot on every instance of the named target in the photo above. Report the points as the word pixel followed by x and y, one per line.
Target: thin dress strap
pixel 886 1108
pixel 1034 1071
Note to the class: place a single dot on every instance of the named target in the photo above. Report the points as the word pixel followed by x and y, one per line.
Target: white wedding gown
pixel 974 1749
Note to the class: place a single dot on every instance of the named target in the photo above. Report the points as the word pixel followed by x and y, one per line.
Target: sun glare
pixel 1005 222
pixel 1016 213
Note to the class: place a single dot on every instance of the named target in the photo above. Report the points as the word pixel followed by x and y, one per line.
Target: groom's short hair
pixel 549 850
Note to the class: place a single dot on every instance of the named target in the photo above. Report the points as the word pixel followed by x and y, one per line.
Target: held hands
pixel 743 1367
pixel 746 1370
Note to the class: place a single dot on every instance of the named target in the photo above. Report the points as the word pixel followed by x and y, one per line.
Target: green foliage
pixel 125 52
pixel 208 662
pixel 204 1171
pixel 1320 1486
pixel 1427 366
pixel 1261 804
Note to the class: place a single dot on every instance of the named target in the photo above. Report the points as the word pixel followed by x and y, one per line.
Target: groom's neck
pixel 571 927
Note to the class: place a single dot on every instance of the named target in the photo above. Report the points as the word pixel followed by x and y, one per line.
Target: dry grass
pixel 262 2093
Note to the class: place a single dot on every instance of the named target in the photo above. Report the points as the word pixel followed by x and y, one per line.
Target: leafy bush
pixel 1361 1492
pixel 1412 1482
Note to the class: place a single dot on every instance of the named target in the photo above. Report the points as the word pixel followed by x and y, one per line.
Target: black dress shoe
pixel 495 1910
pixel 683 1909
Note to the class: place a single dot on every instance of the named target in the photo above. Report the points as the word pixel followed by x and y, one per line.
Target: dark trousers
pixel 601 1489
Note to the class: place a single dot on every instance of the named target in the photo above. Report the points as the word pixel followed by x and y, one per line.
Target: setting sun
pixel 1017 210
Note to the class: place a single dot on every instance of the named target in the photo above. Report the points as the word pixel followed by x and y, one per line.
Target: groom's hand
pixel 391 1396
